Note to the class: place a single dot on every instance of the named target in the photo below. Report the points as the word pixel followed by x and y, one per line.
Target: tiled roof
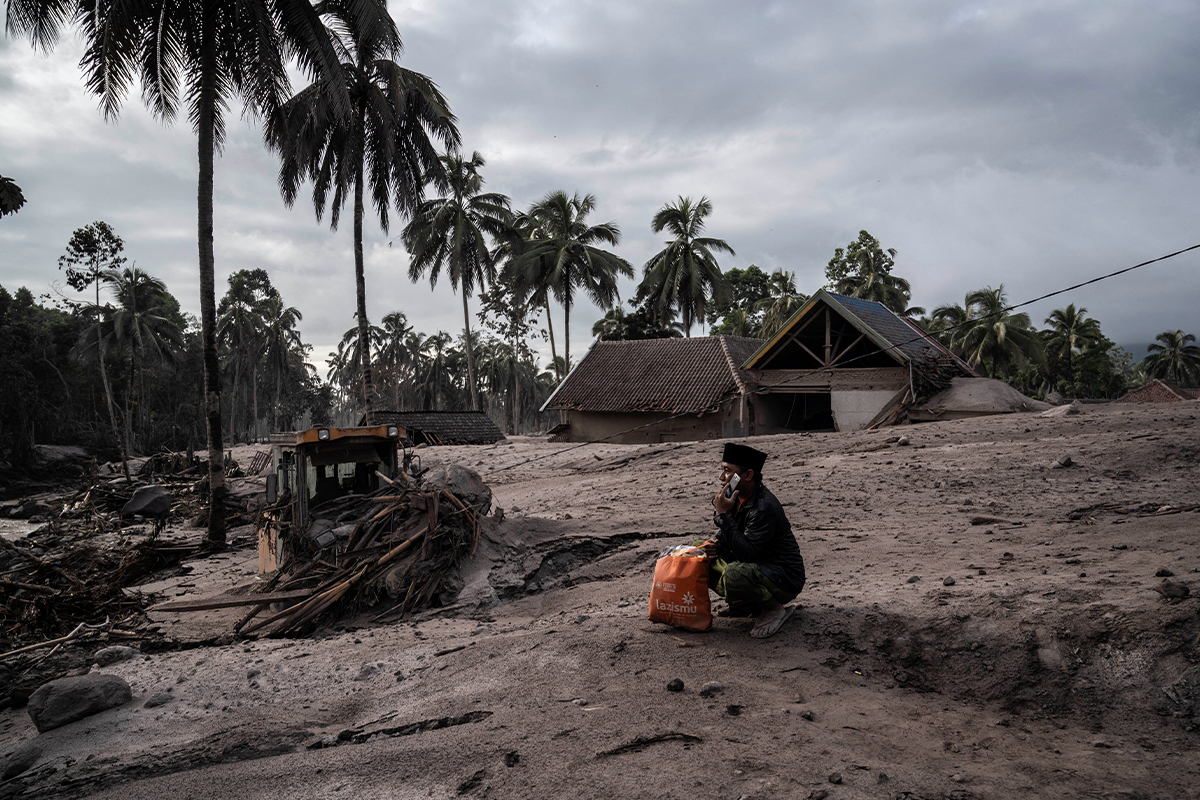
pixel 665 375
pixel 443 427
pixel 1159 391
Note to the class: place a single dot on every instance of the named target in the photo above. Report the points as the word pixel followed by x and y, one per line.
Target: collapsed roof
pixel 974 397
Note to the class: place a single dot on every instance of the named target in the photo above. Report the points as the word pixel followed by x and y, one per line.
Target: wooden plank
pixel 209 603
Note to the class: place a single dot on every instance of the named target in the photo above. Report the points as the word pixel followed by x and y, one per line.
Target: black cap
pixel 744 457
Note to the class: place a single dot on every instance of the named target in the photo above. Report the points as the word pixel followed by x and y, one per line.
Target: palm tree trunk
pixel 553 352
pixel 108 396
pixel 566 339
pixel 129 404
pixel 360 285
pixel 516 398
pixel 470 354
pixel 208 306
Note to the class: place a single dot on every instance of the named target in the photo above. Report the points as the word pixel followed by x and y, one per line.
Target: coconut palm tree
pixel 783 303
pixel 993 339
pixel 1071 331
pixel 1174 359
pixel 685 274
pixel 386 143
pixel 204 53
pixel 451 233
pixel 140 328
pixel 11 196
pixel 563 255
pixel 394 357
pixel 528 279
pixel 281 341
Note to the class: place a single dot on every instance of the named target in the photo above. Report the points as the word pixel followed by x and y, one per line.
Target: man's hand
pixel 723 504
pixel 710 548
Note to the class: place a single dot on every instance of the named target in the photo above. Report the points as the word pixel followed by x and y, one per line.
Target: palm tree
pixel 11 196
pixel 992 338
pixel 139 327
pixel 394 357
pixel 1174 358
pixel 451 232
pixel 206 52
pixel 563 255
pixel 281 341
pixel 528 279
pixel 1071 331
pixel 685 275
pixel 873 281
pixel 783 303
pixel 385 142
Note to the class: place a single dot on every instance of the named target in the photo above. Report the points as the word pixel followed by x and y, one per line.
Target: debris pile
pixel 398 547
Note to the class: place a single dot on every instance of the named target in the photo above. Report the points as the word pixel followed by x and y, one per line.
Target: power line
pixel 764 389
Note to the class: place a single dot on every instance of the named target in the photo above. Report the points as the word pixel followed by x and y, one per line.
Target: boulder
pixel 461 481
pixel 21 760
pixel 148 501
pixel 111 655
pixel 66 700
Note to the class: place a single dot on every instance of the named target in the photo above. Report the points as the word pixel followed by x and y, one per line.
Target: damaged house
pixel 840 363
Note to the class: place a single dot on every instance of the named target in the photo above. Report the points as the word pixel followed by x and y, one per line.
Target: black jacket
pixel 759 532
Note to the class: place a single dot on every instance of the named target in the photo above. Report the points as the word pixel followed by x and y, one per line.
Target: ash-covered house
pixel 839 363
pixel 442 427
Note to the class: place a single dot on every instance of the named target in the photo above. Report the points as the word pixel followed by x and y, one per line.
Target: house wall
pixel 856 395
pixel 590 426
pixel 853 410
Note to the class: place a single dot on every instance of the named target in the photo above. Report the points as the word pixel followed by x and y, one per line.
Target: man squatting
pixel 754 561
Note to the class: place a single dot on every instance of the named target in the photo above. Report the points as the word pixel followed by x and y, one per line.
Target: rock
pixel 914 579
pixel 904 441
pixel 733 710
pixel 111 655
pixel 675 685
pixel 367 671
pixel 21 760
pixel 818 794
pixel 1170 590
pixel 66 700
pixel 461 481
pixel 1164 573
pixel 1055 399
pixel 882 778
pixel 512 758
pixel 948 582
pixel 28 509
pixel 252 673
pixel 808 715
pixel 582 618
pixel 1063 462
pixel 835 777
pixel 711 688
pixel 148 501
pixel 158 699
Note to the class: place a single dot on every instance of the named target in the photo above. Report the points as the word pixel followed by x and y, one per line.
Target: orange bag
pixel 679 596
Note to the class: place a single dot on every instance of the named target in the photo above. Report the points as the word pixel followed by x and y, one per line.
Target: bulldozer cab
pixel 320 465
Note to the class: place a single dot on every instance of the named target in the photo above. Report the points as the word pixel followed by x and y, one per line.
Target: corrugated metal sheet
pixel 656 375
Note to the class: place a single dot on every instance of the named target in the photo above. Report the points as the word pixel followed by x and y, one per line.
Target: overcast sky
pixel 1033 144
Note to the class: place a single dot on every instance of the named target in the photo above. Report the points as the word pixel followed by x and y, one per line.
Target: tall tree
pixel 11 197
pixel 451 233
pixel 93 252
pixel 1071 332
pixel 386 143
pixel 777 308
pixel 205 53
pixel 864 269
pixel 529 279
pixel 1174 358
pixel 992 338
pixel 685 274
pixel 281 342
pixel 141 327
pixel 565 248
